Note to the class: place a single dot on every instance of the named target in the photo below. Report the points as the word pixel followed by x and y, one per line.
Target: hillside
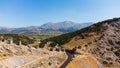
pixel 101 40
pixel 60 27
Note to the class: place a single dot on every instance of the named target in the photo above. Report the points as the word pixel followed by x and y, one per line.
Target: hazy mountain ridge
pixel 62 27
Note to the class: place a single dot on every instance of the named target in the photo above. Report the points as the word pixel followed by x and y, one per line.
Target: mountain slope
pixel 101 40
pixel 66 26
pixel 61 27
pixel 4 29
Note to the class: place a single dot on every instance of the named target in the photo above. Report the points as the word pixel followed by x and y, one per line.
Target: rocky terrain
pixel 105 47
pixel 97 46
pixel 14 56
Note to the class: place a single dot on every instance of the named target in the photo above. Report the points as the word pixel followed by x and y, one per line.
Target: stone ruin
pixel 8 41
pixel 57 48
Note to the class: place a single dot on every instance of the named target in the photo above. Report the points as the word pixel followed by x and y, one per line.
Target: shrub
pixel 105 62
pixel 117 53
pixel 52 44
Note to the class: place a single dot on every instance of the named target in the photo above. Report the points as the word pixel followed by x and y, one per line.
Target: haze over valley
pixel 59 33
pixel 61 27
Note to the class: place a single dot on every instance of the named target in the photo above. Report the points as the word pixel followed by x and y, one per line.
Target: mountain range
pixel 61 27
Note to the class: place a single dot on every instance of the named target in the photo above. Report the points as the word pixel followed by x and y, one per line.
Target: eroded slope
pixel 14 56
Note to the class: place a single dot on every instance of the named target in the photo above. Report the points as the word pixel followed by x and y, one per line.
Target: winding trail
pixel 70 56
pixel 29 63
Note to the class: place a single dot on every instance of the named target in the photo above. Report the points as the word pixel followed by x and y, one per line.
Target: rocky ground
pixel 13 56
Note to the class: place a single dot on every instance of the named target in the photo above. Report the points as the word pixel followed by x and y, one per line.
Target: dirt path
pixel 31 62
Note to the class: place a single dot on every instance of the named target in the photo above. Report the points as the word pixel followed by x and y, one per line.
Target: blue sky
pixel 21 13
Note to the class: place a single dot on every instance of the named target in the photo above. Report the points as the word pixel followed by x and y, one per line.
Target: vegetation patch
pixel 16 38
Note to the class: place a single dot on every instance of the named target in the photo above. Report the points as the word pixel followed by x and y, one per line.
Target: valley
pixel 95 46
pixel 59 33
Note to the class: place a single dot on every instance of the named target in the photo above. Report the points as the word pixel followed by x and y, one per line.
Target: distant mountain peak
pixel 68 22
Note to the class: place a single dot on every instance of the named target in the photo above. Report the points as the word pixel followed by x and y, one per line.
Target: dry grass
pixel 1 57
pixel 80 42
pixel 64 59
pixel 35 44
pixel 83 61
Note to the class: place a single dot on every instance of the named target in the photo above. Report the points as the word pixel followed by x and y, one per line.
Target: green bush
pixel 117 53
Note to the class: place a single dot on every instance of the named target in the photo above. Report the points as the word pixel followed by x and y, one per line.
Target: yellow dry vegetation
pixel 80 42
pixel 35 44
pixel 83 61
pixel 1 56
pixel 64 59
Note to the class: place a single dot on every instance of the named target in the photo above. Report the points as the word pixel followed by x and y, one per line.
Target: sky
pixel 22 13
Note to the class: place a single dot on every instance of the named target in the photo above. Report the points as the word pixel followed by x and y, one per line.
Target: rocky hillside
pixel 101 40
pixel 61 27
pixel 13 56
